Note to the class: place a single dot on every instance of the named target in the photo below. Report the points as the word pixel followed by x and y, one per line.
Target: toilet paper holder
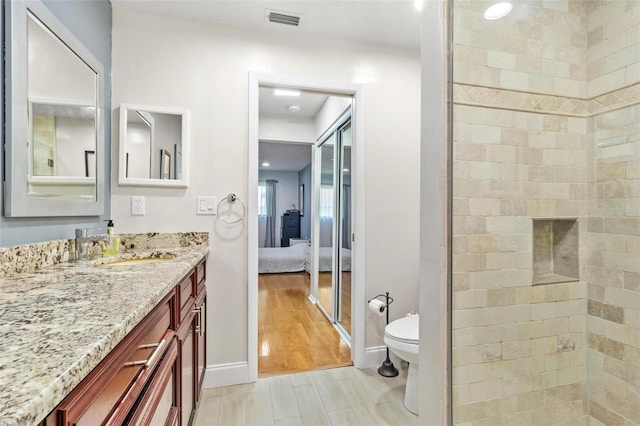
pixel 387 301
pixel 387 369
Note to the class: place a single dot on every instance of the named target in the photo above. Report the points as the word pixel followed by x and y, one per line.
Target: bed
pixel 297 258
pixel 326 259
pixel 273 260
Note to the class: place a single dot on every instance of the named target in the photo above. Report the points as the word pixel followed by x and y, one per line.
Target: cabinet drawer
pixel 158 405
pixel 201 273
pixel 111 388
pixel 187 295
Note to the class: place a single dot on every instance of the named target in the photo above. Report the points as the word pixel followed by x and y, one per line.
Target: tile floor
pixel 341 396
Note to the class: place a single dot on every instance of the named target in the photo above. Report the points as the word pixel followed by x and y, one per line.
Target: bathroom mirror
pixel 153 146
pixel 54 92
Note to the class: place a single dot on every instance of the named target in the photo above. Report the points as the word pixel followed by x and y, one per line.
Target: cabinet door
pixel 187 337
pixel 201 340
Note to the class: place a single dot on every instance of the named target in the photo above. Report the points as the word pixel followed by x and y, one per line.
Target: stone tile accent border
pixel 465 94
pixel 28 258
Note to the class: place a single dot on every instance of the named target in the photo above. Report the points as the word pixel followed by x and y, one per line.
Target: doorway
pixel 293 333
pixel 356 325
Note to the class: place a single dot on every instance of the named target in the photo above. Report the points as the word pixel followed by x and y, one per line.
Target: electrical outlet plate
pixel 137 206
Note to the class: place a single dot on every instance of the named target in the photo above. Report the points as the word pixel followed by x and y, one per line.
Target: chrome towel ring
pixel 231 199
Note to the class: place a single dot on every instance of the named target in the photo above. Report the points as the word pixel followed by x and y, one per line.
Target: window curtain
pixel 326 231
pixel 270 219
pixel 346 216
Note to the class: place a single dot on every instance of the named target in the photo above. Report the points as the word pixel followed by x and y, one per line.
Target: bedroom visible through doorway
pixel 293 333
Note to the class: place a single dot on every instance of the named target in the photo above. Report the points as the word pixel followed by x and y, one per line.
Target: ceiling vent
pixel 284 18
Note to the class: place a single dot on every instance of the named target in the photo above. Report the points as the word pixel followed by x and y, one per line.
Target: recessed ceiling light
pixel 497 11
pixel 418 4
pixel 286 92
pixel 294 108
pixel 266 164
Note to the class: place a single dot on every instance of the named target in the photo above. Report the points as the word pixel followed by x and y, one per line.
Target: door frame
pixel 358 300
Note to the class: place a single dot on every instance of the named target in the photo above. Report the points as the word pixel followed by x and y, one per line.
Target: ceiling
pixel 309 103
pixel 387 22
pixel 284 157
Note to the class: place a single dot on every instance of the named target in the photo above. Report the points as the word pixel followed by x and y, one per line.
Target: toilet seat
pixel 404 330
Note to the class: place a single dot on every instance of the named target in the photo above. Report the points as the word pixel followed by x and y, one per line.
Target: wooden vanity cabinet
pixel 154 375
pixel 191 335
pixel 112 389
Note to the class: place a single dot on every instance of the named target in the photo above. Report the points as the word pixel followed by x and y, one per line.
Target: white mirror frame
pixel 166 183
pixel 17 203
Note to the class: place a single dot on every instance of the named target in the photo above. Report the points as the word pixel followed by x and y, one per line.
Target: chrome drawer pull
pixel 156 353
pixel 134 363
pixel 203 318
pixel 199 319
pixel 147 362
pixel 149 345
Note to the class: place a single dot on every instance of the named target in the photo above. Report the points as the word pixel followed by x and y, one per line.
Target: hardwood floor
pixel 293 335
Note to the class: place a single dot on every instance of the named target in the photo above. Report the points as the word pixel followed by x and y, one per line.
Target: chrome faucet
pixel 82 242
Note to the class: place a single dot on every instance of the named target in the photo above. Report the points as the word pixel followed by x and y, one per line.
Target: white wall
pixel 205 68
pixel 275 127
pixel 331 110
pixel 286 194
pixel 434 340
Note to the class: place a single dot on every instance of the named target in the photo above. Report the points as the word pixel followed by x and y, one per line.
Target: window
pixel 326 201
pixel 262 198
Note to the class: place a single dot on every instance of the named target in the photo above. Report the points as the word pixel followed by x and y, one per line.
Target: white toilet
pixel 401 336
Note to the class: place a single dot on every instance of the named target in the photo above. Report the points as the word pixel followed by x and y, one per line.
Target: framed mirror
pixel 54 97
pixel 153 146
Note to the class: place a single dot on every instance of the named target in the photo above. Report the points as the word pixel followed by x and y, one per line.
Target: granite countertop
pixel 59 322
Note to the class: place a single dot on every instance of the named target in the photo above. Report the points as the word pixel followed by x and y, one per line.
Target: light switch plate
pixel 207 205
pixel 137 206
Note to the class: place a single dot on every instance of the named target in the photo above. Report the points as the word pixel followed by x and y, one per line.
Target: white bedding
pixel 282 259
pixel 297 258
pixel 325 261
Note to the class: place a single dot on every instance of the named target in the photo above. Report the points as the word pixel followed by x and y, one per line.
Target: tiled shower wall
pixel 612 240
pixel 531 102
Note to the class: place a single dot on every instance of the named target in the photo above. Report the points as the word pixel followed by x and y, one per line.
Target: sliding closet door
pixel 326 214
pixel 344 259
pixel 333 253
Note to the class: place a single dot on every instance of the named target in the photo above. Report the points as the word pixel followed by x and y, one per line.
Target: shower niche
pixel 555 251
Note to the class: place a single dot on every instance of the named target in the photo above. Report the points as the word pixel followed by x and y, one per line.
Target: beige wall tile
pixel 527 165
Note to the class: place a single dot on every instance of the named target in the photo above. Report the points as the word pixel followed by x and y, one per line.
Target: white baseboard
pixel 373 356
pixel 233 373
pixel 236 373
pixel 312 299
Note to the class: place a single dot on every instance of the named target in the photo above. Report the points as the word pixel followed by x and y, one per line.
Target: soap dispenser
pixel 113 242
